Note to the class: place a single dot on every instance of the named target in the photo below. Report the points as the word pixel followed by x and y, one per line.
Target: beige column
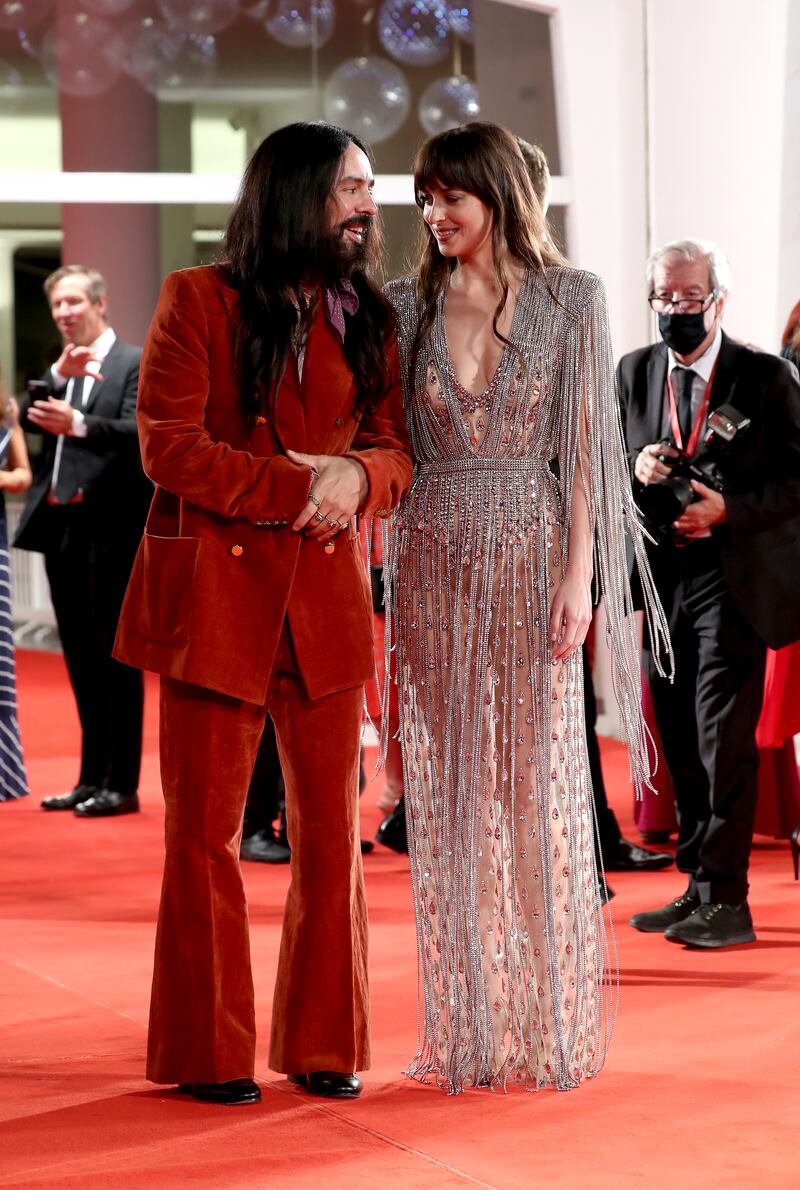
pixel 115 131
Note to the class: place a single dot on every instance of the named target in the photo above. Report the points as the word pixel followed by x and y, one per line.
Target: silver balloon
pixel 23 14
pixel 448 103
pixel 416 32
pixel 199 16
pixel 82 54
pixel 301 23
pixel 368 96
pixel 459 14
pixel 162 59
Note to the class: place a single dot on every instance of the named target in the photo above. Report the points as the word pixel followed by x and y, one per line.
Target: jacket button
pixel 237 550
pixel 261 421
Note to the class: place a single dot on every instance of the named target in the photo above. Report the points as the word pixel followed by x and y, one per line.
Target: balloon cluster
pixel 371 96
pixel 83 51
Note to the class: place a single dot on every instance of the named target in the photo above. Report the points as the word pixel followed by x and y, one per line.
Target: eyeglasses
pixel 665 305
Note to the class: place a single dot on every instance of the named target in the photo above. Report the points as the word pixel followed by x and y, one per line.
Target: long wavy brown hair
pixel 277 242
pixel 485 160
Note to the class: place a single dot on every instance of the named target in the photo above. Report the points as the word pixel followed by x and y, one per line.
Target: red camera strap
pixel 697 428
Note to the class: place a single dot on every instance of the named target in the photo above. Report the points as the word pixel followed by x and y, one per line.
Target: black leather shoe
pixel 605 892
pixel 68 801
pixel 265 848
pixel 107 803
pixel 330 1084
pixel 392 831
pixel 231 1094
pixel 656 921
pixel 627 857
pixel 713 926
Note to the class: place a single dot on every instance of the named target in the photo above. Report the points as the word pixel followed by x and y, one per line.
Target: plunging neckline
pixel 449 359
pixel 454 384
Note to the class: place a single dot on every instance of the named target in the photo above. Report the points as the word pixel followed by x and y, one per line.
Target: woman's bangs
pixel 441 166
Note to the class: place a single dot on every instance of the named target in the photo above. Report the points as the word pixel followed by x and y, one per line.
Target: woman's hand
pixel 570 614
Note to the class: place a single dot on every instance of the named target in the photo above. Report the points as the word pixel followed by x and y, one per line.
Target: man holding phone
pixel 85 512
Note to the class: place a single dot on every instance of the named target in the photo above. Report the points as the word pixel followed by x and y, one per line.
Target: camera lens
pixel 662 503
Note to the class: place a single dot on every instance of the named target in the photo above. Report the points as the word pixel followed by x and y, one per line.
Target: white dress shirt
pixel 702 368
pixel 101 347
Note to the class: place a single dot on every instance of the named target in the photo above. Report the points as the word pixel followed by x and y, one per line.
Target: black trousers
pixel 87 584
pixel 266 794
pixel 607 834
pixel 707 721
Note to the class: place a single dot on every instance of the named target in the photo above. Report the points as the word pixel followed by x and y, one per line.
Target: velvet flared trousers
pixel 202 1016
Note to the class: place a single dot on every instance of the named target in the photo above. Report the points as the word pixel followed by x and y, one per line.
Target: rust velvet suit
pixel 243 617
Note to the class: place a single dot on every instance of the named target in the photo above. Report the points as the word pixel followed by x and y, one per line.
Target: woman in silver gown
pixel 520 480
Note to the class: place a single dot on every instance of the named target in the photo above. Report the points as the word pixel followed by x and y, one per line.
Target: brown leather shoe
pixel 330 1084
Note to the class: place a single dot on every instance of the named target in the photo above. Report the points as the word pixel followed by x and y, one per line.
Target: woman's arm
pixel 571 609
pixel 17 478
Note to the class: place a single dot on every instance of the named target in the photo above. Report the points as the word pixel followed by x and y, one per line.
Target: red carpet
pixel 702 1086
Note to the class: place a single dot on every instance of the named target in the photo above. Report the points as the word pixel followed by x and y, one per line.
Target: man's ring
pixel 334 525
pixel 314 499
pixel 318 517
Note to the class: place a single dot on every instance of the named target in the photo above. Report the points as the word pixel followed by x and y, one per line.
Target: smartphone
pixel 38 390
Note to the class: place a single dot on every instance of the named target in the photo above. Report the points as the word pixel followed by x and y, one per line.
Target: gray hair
pixel 719 271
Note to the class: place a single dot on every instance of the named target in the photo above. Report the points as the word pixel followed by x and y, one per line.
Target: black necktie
pixel 67 482
pixel 76 397
pixel 685 379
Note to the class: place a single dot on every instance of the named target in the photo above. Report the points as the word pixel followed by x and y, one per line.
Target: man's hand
pixel 648 468
pixel 78 361
pixel 337 492
pixel 708 510
pixel 52 415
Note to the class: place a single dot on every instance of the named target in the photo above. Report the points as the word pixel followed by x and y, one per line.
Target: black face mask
pixel 682 332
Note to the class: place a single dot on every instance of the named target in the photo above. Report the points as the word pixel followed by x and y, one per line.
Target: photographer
pixel 720 489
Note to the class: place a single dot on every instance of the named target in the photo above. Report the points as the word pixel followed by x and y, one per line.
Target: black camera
pixel 661 503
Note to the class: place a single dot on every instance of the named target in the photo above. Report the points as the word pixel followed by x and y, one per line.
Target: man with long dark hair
pixel 270 414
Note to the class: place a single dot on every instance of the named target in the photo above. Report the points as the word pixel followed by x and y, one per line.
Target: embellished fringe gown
pixel 513 953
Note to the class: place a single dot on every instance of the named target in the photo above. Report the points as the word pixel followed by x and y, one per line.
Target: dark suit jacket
pixel 219 569
pixel 105 464
pixel 760 543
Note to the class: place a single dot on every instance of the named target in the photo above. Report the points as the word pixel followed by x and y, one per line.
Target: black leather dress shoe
pixel 266 848
pixel 392 831
pixel 330 1084
pixel 68 801
pixel 107 803
pixel 656 921
pixel 714 926
pixel 627 857
pixel 605 892
pixel 230 1094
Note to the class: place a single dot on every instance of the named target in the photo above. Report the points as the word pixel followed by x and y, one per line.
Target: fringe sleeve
pixel 590 439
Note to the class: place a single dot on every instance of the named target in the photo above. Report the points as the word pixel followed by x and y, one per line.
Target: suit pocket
pixel 167 574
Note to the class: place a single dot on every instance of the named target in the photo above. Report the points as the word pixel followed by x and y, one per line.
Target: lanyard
pixel 699 420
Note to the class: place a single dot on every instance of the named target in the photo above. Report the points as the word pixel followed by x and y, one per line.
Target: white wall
pixel 683 118
pixel 718 143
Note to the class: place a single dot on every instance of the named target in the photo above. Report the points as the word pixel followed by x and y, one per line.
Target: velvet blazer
pixel 219 568
pixel 760 542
